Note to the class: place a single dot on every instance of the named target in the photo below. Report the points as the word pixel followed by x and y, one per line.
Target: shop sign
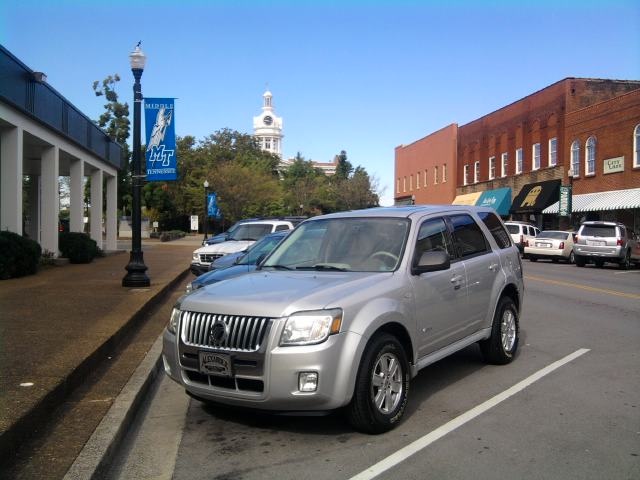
pixel 613 165
pixel 564 204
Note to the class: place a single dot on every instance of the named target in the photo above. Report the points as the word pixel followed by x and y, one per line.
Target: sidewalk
pixel 56 325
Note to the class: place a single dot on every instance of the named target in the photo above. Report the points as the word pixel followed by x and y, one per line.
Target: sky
pixel 359 76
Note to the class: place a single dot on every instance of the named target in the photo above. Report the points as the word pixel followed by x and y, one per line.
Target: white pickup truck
pixel 244 236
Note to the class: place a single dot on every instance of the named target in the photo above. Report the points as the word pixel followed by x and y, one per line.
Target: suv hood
pixel 230 246
pixel 277 294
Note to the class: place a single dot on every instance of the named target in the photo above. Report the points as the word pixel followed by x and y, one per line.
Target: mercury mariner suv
pixel 347 309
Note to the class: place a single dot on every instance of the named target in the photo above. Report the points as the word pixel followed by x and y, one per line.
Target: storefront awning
pixel 535 197
pixel 466 199
pixel 595 202
pixel 499 199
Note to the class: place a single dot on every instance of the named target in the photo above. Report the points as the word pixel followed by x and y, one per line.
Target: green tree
pixel 344 167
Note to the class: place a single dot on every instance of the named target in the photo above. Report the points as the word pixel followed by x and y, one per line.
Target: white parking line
pixel 404 453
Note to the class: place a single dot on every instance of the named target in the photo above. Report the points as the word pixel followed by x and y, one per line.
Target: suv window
pixel 598 231
pixel 493 223
pixel 282 227
pixel 468 236
pixel 514 229
pixel 433 235
pixel 251 231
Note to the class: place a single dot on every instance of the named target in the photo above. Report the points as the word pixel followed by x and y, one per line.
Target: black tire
pixel 625 263
pixel 383 354
pixel 572 258
pixel 580 261
pixel 501 347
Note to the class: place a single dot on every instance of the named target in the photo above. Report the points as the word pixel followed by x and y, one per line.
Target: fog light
pixel 308 381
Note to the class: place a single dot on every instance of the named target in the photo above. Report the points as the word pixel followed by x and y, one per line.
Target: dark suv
pixel 601 242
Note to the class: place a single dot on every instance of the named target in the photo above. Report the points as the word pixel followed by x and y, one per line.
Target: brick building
pixel 522 153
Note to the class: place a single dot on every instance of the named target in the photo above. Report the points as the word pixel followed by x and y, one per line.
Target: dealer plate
pixel 215 364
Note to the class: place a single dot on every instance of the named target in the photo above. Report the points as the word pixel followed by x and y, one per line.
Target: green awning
pixel 499 199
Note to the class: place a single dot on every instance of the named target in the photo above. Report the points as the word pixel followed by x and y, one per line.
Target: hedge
pixel 19 256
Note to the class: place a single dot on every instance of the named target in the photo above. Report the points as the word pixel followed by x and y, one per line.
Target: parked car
pixel 601 242
pixel 521 233
pixel 244 263
pixel 224 236
pixel 245 235
pixel 347 309
pixel 551 244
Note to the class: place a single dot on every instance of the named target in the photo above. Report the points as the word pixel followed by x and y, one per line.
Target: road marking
pixel 583 287
pixel 423 442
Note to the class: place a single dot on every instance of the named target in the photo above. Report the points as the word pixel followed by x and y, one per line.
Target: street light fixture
pixel 206 207
pixel 136 269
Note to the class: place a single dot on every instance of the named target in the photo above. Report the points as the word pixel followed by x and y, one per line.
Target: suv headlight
pixel 309 328
pixel 174 321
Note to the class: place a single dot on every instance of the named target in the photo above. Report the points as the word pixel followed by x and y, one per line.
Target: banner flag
pixel 161 140
pixel 212 205
pixel 564 204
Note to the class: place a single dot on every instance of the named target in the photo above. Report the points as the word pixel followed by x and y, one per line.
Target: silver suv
pixel 346 311
pixel 601 242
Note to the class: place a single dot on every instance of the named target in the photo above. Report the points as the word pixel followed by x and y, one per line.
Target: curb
pixel 32 420
pixel 98 452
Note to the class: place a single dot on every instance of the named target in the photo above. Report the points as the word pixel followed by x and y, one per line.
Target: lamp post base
pixel 136 276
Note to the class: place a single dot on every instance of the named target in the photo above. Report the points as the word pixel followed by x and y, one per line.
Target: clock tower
pixel 267 127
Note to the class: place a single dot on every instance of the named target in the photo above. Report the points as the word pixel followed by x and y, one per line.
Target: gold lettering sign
pixel 531 197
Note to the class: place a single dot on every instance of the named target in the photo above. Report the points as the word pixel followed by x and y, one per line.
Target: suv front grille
pixel 209 257
pixel 244 334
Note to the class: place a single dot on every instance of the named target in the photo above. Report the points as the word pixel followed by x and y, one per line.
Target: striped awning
pixel 595 202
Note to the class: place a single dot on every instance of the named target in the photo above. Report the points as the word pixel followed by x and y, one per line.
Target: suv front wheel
pixel 500 348
pixel 382 386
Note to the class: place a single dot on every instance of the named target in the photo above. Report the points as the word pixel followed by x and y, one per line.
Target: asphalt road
pixel 567 408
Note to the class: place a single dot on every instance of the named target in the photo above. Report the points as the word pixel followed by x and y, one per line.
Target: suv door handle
pixel 493 266
pixel 456 281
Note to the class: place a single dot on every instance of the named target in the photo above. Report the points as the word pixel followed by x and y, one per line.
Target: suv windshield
pixel 598 231
pixel 343 244
pixel 250 231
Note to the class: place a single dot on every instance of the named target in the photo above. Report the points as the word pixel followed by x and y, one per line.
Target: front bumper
pixel 199 268
pixel 268 379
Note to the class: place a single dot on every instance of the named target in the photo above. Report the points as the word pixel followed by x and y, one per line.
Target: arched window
pixel 636 147
pixel 575 158
pixel 590 157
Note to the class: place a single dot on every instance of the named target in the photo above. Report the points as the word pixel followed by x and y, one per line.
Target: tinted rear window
pixel 515 229
pixel 598 231
pixel 494 225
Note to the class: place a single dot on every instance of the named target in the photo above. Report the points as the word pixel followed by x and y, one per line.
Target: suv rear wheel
pixel 500 348
pixel 382 386
pixel 625 263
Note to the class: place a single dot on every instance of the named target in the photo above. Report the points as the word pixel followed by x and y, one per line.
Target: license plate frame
pixel 596 243
pixel 215 363
pixel 543 245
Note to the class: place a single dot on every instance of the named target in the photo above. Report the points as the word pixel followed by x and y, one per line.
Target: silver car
pixel 600 242
pixel 347 310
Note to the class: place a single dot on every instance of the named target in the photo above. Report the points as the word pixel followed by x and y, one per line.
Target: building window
pixel 590 157
pixel 636 147
pixel 553 152
pixel 575 158
pixel 476 172
pixel 519 160
pixel 466 175
pixel 505 164
pixel 410 183
pixel 267 143
pixel 435 175
pixel 398 185
pixel 404 184
pixel 492 168
pixel 418 181
pixel 425 178
pixel 536 156
pixel 444 173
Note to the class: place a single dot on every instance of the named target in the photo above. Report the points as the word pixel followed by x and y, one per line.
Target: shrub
pixel 19 256
pixel 77 247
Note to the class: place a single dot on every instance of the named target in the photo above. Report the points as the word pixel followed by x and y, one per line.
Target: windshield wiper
pixel 277 267
pixel 324 267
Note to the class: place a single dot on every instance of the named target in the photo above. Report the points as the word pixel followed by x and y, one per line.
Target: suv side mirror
pixel 432 261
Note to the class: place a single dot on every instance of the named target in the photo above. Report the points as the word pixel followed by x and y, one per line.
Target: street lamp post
pixel 136 269
pixel 206 207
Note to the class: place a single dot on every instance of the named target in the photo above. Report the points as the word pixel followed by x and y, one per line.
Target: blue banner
pixel 161 140
pixel 212 205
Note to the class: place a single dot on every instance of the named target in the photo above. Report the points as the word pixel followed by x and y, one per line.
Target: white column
pixel 50 199
pixel 11 155
pixel 112 213
pixel 76 185
pixel 96 207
